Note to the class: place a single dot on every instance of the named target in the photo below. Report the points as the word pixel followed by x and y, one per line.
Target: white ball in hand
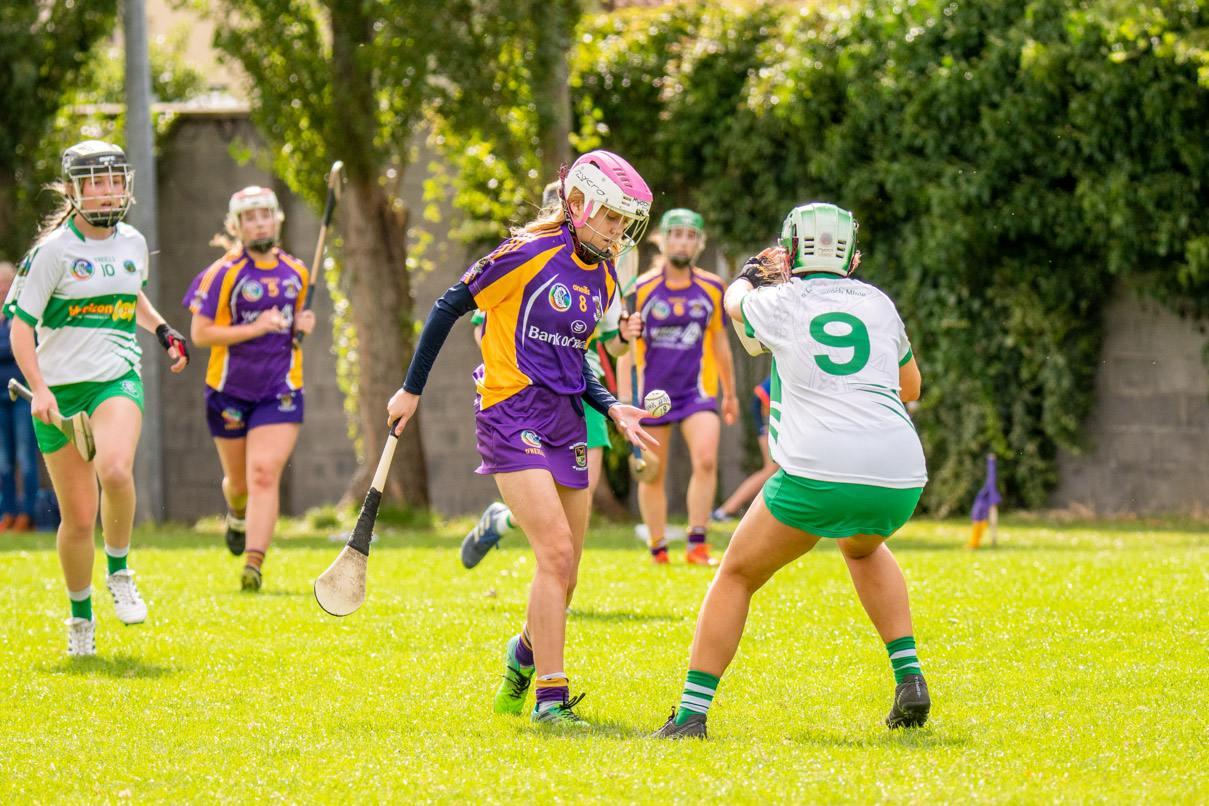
pixel 657 403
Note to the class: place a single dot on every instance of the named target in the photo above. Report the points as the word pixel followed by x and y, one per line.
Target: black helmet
pixel 93 158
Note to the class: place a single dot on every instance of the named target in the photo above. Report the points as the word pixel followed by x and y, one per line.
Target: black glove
pixel 753 272
pixel 169 338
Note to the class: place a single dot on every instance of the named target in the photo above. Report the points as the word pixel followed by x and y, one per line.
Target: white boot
pixel 127 603
pixel 81 637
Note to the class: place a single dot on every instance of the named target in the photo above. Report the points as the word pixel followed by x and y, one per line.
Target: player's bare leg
pixel 652 499
pixel 882 590
pixel 268 449
pixel 701 431
pixel 76 487
pixel 233 454
pixel 554 519
pixel 117 423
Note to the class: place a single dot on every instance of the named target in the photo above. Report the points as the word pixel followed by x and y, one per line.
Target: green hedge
pixel 1008 163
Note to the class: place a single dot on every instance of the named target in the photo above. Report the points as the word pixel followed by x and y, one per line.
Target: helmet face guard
pixel 254 197
pixel 608 181
pixel 88 162
pixel 820 237
pixel 682 218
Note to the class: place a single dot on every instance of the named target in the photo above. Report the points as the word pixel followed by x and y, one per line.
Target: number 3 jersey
pixel 834 410
pixel 80 296
pixel 235 291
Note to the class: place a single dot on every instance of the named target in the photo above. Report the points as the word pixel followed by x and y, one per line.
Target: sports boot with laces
pixel 250 579
pixel 510 698
pixel 483 537
pixel 911 703
pixel 561 715
pixel 691 728
pixel 698 554
pixel 81 637
pixel 237 533
pixel 127 602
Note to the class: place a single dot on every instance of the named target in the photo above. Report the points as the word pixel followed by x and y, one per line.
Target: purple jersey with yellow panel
pixel 680 321
pixel 235 291
pixel 542 304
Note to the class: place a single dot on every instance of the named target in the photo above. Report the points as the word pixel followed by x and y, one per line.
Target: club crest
pixel 560 298
pixel 81 269
pixel 252 291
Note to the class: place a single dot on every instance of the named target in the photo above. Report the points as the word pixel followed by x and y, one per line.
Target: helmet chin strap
pixel 680 261
pixel 261 244
pixel 591 254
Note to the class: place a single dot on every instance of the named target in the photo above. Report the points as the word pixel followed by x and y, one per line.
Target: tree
pixel 43 50
pixel 349 80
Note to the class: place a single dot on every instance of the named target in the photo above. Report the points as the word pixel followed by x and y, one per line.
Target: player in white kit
pixel 852 466
pixel 80 291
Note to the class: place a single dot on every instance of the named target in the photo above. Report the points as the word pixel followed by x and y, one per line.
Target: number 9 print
pixel 856 339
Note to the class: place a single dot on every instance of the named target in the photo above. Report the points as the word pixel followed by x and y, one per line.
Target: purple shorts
pixel 231 417
pixel 535 428
pixel 683 407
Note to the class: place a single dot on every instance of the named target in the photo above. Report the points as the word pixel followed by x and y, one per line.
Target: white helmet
pixel 93 158
pixel 606 180
pixel 819 237
pixel 255 197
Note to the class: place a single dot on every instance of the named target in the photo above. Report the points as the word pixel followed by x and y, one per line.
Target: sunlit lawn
pixel 1068 665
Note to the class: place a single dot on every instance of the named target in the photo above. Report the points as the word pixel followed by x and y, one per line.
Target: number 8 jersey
pixel 834 411
pixel 79 295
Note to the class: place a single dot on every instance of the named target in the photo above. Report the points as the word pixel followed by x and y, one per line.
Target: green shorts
pixel 834 509
pixel 598 428
pixel 77 397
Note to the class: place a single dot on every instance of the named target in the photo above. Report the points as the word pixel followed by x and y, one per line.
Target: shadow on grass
pixel 618 616
pixel 118 667
pixel 913 738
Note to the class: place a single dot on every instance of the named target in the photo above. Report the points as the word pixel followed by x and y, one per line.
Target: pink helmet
pixel 606 180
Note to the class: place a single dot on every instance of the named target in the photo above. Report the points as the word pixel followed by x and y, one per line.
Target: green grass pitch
pixel 1069 665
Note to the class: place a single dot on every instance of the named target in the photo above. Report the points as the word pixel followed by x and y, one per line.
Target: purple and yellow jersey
pixel 679 325
pixel 542 304
pixel 235 291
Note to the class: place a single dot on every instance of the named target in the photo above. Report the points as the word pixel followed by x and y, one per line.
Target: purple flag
pixel 988 496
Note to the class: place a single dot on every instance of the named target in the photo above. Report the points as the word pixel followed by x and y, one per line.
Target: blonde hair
pixel 552 215
pixel 61 213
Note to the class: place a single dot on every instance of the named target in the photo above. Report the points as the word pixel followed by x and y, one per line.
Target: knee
pixel 559 562
pixel 115 474
pixel 263 475
pixel 706 464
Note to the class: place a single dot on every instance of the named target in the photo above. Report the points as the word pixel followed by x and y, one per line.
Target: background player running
pixel 245 310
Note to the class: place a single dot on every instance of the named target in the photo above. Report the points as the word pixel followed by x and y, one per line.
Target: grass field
pixel 1068 665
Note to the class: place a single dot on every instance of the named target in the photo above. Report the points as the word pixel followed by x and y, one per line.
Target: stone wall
pixel 1149 432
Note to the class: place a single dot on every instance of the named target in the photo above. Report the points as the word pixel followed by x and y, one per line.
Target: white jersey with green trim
pixel 835 414
pixel 80 295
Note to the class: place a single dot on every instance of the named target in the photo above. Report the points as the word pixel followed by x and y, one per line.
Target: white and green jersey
pixel 80 295
pixel 834 414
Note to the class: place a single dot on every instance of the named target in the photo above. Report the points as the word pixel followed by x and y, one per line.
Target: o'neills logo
pixel 556 339
pixel 121 311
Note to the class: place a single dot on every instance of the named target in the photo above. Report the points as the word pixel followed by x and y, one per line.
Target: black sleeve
pixel 597 396
pixel 454 303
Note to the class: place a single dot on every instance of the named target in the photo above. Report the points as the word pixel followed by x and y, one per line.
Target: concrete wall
pixel 1150 427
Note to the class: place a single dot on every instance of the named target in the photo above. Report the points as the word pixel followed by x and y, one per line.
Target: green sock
pixel 903 658
pixel 699 688
pixel 116 558
pixel 81 603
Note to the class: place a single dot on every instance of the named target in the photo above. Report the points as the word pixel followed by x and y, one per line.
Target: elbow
pixel 909 394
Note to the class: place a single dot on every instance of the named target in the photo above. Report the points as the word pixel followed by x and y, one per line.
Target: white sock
pixel 112 552
pixel 503 521
pixel 79 596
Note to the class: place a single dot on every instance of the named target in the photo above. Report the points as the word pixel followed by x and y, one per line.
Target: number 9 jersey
pixel 834 410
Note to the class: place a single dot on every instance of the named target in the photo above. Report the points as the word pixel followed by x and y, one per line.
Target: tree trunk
pixel 378 287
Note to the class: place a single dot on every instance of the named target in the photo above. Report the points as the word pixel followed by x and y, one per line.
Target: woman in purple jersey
pixel 245 309
pixel 543 291
pixel 684 351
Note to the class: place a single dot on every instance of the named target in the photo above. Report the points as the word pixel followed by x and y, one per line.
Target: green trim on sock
pixel 82 609
pixel 699 690
pixel 115 564
pixel 903 658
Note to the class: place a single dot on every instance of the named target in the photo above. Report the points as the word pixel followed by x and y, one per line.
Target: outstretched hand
pixel 629 423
